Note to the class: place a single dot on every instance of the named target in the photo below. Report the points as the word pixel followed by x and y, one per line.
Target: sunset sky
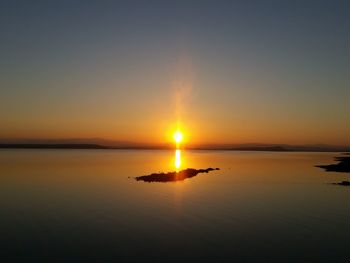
pixel 226 71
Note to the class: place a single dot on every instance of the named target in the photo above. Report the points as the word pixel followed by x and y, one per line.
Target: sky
pixel 223 71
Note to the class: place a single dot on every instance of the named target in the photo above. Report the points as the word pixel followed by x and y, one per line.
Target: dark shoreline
pixel 342 165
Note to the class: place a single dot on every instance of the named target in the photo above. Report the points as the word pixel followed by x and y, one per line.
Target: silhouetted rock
pixel 344 183
pixel 173 176
pixel 343 165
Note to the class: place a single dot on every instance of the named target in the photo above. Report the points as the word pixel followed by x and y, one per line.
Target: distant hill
pixel 89 143
pixel 51 146
pixel 276 147
pixel 97 143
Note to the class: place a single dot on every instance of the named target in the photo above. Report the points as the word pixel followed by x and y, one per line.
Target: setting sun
pixel 178 136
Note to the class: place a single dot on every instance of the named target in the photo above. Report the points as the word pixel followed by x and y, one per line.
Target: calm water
pixel 84 205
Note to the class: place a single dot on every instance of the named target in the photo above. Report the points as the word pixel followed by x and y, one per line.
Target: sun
pixel 178 136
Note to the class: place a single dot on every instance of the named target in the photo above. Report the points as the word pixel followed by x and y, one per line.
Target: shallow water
pixel 85 205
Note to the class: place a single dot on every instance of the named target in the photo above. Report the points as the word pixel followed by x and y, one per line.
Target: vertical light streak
pixel 177 159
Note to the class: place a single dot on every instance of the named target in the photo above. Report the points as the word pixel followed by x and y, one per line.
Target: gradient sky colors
pixel 227 71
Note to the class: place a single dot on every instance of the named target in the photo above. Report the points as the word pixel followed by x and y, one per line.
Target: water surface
pixel 85 205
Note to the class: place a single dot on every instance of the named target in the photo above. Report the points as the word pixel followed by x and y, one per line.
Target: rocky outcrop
pixel 342 166
pixel 173 176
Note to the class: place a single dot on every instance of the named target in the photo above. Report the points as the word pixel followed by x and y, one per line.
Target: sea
pixel 86 206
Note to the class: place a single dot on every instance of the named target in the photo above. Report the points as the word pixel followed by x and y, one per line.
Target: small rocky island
pixel 173 176
pixel 343 165
pixel 343 183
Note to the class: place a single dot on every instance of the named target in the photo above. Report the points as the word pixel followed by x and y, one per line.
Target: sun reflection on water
pixel 177 159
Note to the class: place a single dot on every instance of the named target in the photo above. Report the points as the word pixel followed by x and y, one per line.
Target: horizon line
pixel 270 148
pixel 117 143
